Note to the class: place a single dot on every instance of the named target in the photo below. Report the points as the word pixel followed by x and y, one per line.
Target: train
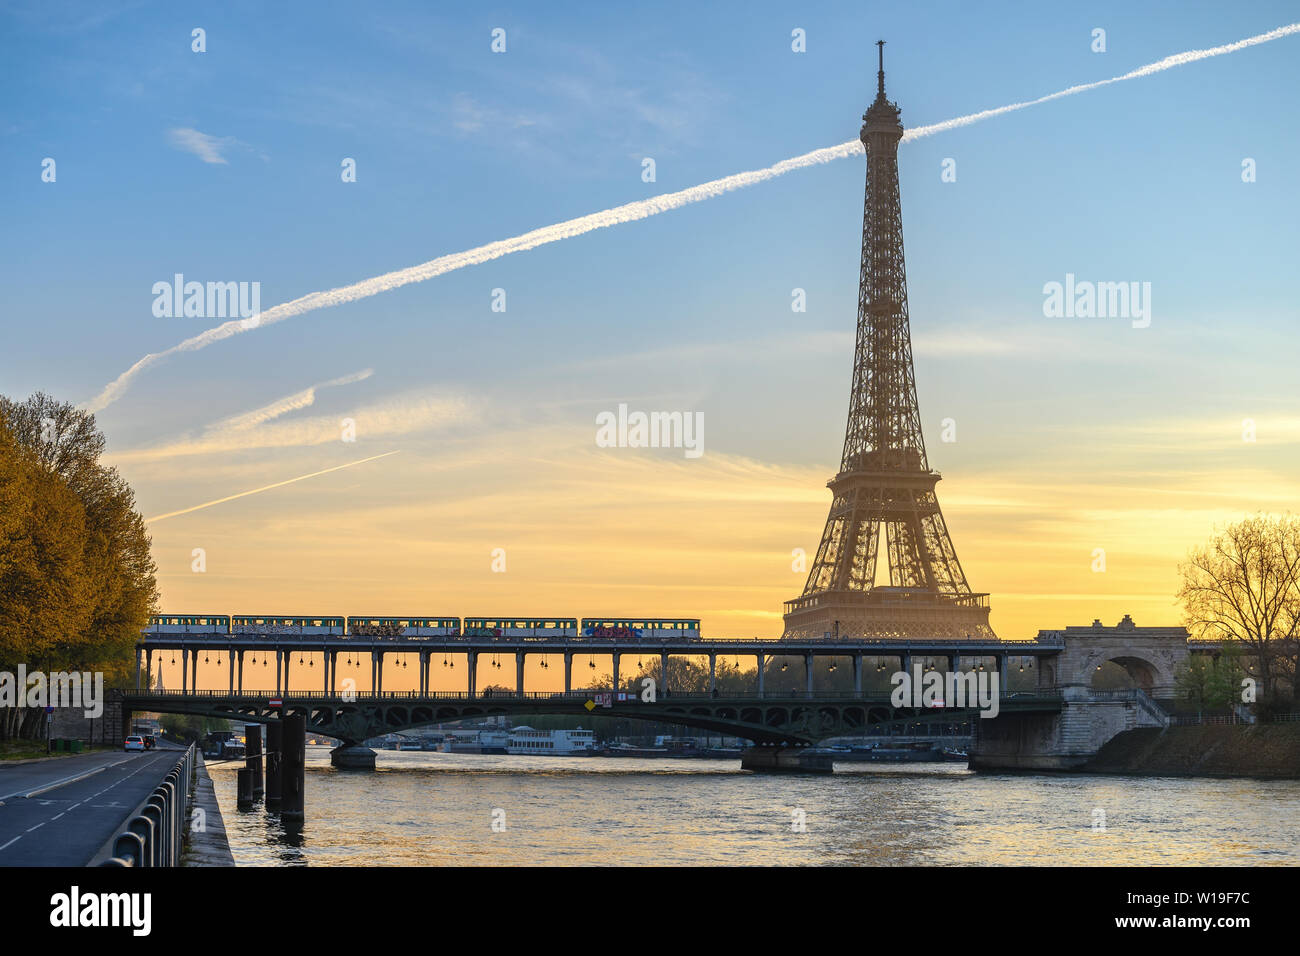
pixel 280 626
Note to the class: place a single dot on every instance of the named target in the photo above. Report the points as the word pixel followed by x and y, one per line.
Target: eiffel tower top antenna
pixel 880 76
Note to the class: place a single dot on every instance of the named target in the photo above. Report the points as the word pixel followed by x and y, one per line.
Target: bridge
pixel 1056 724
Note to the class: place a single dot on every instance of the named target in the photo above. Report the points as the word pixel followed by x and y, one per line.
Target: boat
pixel 925 751
pixel 551 743
pixel 486 742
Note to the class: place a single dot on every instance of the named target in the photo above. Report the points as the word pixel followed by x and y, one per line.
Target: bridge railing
pixel 889 647
pixel 154 834
pixel 629 696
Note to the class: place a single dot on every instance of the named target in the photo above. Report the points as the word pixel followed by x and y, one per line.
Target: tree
pixel 1244 586
pixel 77 582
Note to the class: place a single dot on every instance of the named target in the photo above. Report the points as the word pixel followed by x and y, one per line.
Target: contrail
pixel 290 403
pixel 278 484
pixel 629 212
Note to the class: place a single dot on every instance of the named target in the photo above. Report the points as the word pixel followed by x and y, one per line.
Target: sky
pixel 1073 435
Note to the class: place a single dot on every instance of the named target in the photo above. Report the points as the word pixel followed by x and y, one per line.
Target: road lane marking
pixel 37 827
pixel 53 786
pixel 11 842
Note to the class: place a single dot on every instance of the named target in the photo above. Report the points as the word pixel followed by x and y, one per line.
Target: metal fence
pixel 155 833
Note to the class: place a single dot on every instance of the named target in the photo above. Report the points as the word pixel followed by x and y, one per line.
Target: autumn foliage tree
pixel 76 578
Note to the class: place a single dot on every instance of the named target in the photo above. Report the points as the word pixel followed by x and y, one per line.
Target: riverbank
pixel 1269 751
pixel 208 846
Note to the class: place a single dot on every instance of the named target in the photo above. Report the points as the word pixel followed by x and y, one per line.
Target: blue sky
pixel 457 146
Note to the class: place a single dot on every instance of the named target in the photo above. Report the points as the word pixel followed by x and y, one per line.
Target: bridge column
pixel 713 682
pixel 857 675
pixel 1002 673
pixel 663 672
pixel 137 668
pixel 148 668
pixel 808 672
pixel 380 672
pixel 194 670
pixel 231 682
pixel 519 672
pixel 905 664
pixel 954 663
pixel 241 672
pixel 278 688
pixel 760 674
pixel 332 663
pixel 568 673
pixel 616 656
pixel 374 680
pixel 288 659
pixel 472 658
pixel 185 670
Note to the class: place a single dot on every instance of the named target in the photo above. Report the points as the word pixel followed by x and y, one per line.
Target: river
pixel 451 809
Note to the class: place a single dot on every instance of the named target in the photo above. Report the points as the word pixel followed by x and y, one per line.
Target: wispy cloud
pixel 205 147
pixel 403 414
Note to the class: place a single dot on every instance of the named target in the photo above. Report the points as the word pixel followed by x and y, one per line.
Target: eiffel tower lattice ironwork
pixel 885 484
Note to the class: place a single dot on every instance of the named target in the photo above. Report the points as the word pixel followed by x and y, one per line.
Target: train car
pixel 531 627
pixel 199 625
pixel 409 628
pixel 658 629
pixel 275 625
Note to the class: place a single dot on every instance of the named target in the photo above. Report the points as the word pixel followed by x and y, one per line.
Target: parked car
pixel 134 742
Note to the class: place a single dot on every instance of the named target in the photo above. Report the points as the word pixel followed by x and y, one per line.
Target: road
pixel 60 812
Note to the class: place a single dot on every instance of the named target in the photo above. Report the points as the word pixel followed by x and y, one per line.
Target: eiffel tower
pixel 885 483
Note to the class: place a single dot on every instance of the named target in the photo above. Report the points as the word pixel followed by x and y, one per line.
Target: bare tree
pixel 1244 585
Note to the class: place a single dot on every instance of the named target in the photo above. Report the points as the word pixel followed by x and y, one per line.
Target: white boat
pixel 555 743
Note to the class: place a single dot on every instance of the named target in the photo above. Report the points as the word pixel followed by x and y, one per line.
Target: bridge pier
pixel 1065 740
pixel 353 757
pixel 519 672
pixel 616 657
pixel 713 680
pixel 769 758
pixel 568 673
pixel 278 688
pixel 761 664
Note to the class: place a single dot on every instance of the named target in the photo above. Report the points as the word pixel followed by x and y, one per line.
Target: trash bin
pixel 75 745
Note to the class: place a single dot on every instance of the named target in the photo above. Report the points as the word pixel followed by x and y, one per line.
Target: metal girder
pixel 885 485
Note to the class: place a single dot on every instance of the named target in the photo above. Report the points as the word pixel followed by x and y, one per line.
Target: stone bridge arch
pixel 1150 655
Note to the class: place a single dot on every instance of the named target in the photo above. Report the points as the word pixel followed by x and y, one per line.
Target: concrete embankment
pixel 1240 750
pixel 207 846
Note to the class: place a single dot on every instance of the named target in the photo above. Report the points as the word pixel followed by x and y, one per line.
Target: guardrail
pixel 155 832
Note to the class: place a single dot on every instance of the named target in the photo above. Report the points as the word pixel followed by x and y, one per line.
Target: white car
pixel 134 742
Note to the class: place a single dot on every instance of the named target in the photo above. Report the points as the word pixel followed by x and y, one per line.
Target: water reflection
pixel 430 809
